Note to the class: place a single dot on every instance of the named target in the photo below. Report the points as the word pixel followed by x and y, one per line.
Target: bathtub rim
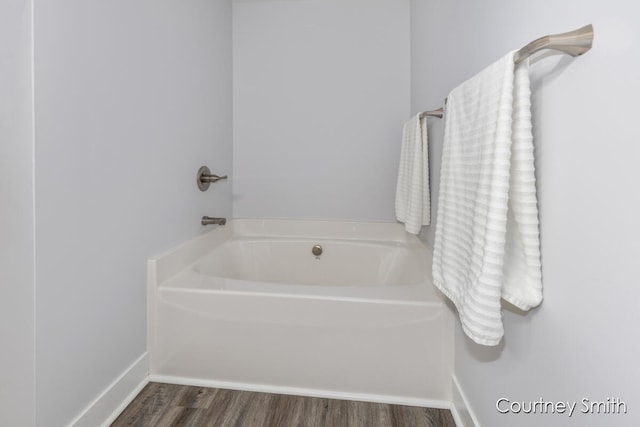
pixel 175 259
pixel 173 269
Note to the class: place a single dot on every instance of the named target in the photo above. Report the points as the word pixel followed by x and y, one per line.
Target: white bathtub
pixel 248 306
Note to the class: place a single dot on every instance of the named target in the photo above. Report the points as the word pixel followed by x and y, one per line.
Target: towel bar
pixel 439 113
pixel 574 43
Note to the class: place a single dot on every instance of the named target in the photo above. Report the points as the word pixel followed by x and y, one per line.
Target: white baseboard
pixel 263 388
pixel 462 414
pixel 115 398
pixel 112 401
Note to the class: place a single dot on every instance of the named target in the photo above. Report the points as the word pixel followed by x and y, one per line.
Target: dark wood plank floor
pixel 175 405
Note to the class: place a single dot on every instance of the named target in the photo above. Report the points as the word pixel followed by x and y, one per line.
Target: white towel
pixel 487 245
pixel 412 190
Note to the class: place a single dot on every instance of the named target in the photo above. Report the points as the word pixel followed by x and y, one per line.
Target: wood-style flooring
pixel 176 405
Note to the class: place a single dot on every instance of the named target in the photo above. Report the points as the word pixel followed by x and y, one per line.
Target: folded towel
pixel 412 190
pixel 487 243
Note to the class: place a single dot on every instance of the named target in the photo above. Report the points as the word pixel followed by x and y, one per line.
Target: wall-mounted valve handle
pixel 205 178
pixel 211 178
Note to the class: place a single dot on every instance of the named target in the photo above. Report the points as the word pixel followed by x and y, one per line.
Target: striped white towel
pixel 412 191
pixel 487 245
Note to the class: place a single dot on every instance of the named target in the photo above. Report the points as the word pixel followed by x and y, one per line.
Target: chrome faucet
pixel 206 220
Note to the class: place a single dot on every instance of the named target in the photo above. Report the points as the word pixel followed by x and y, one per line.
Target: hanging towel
pixel 487 245
pixel 412 190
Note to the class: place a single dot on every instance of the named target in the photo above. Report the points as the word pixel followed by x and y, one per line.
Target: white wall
pixel 17 329
pixel 130 99
pixel 583 341
pixel 321 90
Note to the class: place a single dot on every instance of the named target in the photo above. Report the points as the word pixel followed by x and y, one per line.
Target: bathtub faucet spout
pixel 206 220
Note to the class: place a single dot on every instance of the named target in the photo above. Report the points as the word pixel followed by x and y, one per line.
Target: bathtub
pixel 249 306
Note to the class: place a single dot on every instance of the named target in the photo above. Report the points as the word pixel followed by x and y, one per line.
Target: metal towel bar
pixel 574 43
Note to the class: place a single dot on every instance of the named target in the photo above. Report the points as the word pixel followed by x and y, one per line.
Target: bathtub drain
pixel 317 251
